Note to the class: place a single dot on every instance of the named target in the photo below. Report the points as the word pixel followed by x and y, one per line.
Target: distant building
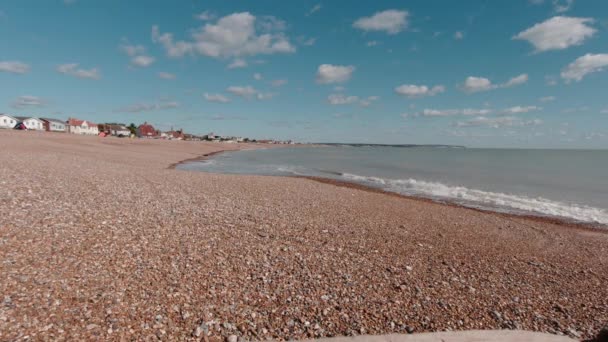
pixel 177 135
pixel 31 123
pixel 146 130
pixel 118 130
pixel 83 127
pixel 7 121
pixel 53 125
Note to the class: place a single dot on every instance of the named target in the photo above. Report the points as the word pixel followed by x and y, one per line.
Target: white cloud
pixel 561 6
pixel 166 75
pixel 28 101
pixel 142 61
pixel 458 35
pixel 504 121
pixel 219 98
pixel 314 10
pixel 390 21
pixel 413 91
pixel 264 96
pixel 278 83
pixel 368 101
pixel 327 73
pixel 473 84
pixel 238 63
pixel 309 42
pixel 558 33
pixel 547 99
pixel 339 88
pixel 453 112
pixel 604 111
pixel 341 99
pixel 520 109
pixel 585 65
pixel 235 35
pixel 14 67
pixel 246 92
pixel 73 70
pixel 372 43
pixel 205 16
pixel 517 80
pixel 138 55
pixel 257 76
pixel 149 107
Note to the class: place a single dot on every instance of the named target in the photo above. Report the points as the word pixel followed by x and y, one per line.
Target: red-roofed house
pixel 76 126
pixel 146 130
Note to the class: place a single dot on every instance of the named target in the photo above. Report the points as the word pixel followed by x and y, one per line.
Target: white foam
pixel 487 200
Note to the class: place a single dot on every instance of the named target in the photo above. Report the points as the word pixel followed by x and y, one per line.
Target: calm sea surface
pixel 571 184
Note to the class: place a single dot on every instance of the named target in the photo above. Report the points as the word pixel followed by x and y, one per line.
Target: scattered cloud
pixel 414 91
pixel 265 96
pixel 205 16
pixel 138 55
pixel 604 111
pixel 498 122
pixel 28 101
pixel 72 69
pixel 149 107
pixel 550 80
pixel 246 92
pixel 390 21
pixel 583 66
pixel 458 35
pixel 558 33
pixel 219 98
pixel 14 67
pixel 453 112
pixel 341 99
pixel 339 88
pixel 237 64
pixel 517 80
pixel 547 99
pixel 473 84
pixel 372 43
pixel 221 117
pixel 257 76
pixel 316 8
pixel 306 41
pixel 561 6
pixel 521 110
pixel 278 83
pixel 235 35
pixel 166 75
pixel 328 73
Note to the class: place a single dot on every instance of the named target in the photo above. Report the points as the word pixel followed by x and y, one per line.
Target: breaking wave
pixel 495 201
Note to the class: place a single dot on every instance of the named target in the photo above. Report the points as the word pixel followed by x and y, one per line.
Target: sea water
pixel 570 184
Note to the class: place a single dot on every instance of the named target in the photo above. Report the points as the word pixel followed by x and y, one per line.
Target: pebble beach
pixel 103 239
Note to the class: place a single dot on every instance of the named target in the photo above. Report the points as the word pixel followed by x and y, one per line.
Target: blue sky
pixel 520 73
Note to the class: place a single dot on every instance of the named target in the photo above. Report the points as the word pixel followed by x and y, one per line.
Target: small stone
pixel 409 268
pixel 233 338
pixel 409 329
pixel 497 315
pixel 92 326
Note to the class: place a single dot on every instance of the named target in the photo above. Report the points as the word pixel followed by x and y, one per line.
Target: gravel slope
pixel 100 240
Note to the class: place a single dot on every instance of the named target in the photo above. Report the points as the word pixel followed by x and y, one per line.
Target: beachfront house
pixel 7 121
pixel 175 135
pixel 53 125
pixel 82 127
pixel 118 130
pixel 146 130
pixel 31 123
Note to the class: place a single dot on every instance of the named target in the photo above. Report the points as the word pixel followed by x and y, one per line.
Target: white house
pixel 119 130
pixel 53 125
pixel 83 127
pixel 31 123
pixel 7 121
